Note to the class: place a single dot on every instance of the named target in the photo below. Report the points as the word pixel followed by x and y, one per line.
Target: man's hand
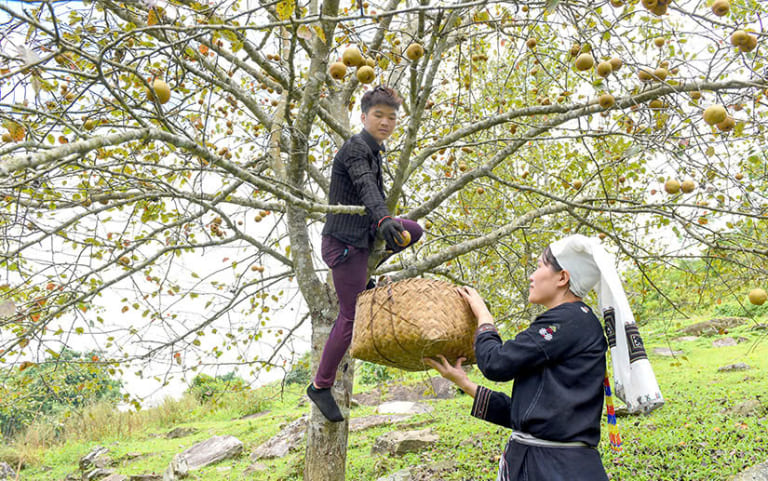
pixel 391 231
pixel 454 373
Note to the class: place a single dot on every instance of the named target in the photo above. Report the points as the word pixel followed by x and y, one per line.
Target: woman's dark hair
pixel 548 258
pixel 380 95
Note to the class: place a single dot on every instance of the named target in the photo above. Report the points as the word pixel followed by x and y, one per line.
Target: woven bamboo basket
pixel 400 323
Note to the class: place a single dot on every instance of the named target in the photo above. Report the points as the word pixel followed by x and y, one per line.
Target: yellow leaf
pixel 304 32
pixel 285 9
pixel 155 15
pixel 16 130
pixel 320 33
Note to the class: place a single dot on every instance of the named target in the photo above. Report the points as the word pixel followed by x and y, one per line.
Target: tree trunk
pixel 326 454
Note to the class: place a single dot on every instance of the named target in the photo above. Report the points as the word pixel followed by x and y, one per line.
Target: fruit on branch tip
pixel 369 61
pixel 726 125
pixel 584 62
pixel 604 69
pixel 645 74
pixel 606 101
pixel 661 73
pixel 161 91
pixel 739 37
pixel 659 41
pixel 758 296
pixel 338 70
pixel 531 43
pixel 617 3
pixel 577 184
pixel 352 57
pixel 575 49
pixel 695 95
pixel 750 44
pixel 672 186
pixel 414 52
pixel 616 63
pixel 656 104
pixel 89 124
pixel 714 114
pixel 365 75
pixel 688 186
pixel 721 7
pixel 7 137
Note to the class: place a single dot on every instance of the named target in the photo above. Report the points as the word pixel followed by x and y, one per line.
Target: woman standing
pixel 558 368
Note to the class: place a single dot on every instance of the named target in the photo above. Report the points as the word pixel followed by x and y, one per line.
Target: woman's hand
pixel 477 304
pixel 454 373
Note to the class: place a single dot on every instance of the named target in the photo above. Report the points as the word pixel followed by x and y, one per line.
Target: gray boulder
pixel 202 454
pixel 755 473
pixel 97 458
pixel 402 442
pixel 404 407
pixel 739 366
pixel 724 342
pixel 282 443
pixel 666 352
pixel 367 422
pixel 6 472
pixel 402 475
pixel 179 432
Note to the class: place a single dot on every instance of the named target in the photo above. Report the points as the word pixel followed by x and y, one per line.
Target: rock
pixel 367 422
pixel 116 477
pixel 97 473
pixel 255 468
pixel 755 473
pixel 97 458
pixel 746 408
pixel 176 433
pixel 760 327
pixel 724 342
pixel 739 366
pixel 72 477
pixel 687 338
pixel 7 472
pixel 443 388
pixel 402 475
pixel 713 326
pixel 741 339
pixel 283 442
pixel 146 477
pixel 402 442
pixel 202 454
pixel 665 351
pixel 403 407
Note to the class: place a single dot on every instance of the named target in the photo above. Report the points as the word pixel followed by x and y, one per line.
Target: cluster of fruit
pixel 352 57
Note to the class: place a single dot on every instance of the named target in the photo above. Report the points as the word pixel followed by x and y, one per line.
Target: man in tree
pixel 356 179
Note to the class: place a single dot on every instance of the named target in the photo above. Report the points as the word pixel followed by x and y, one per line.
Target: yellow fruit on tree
pixel 750 44
pixel 7 137
pixel 616 63
pixel 604 69
pixel 531 43
pixel 161 90
pixel 606 101
pixel 659 41
pixel 688 186
pixel 672 186
pixel 414 52
pixel 714 114
pixel 758 296
pixel 338 70
pixel 352 57
pixel 661 73
pixel 726 125
pixel 721 7
pixel 739 38
pixel 365 75
pixel 584 62
pixel 645 74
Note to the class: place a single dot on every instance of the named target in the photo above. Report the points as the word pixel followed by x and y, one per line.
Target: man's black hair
pixel 380 95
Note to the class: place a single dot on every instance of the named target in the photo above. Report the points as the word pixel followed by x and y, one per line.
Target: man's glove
pixel 391 231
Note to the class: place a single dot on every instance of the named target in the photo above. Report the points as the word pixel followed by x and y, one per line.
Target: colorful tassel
pixel 613 429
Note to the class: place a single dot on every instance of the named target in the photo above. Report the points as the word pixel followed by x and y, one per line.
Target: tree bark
pixel 326 455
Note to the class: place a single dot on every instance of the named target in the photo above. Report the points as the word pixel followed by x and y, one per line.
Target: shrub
pixel 301 372
pixel 206 388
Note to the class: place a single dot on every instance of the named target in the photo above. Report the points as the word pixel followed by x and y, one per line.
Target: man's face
pixel 380 121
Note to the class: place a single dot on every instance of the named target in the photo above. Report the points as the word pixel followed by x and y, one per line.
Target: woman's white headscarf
pixel 590 266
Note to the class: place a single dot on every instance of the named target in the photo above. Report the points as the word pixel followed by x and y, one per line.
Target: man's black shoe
pixel 324 401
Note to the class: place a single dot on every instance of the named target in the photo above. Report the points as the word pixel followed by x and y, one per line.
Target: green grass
pixel 690 438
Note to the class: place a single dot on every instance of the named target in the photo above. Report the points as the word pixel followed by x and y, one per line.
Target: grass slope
pixel 690 438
